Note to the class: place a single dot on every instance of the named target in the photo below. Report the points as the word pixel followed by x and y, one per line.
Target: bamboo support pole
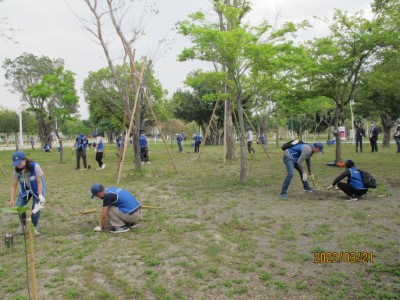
pixel 254 130
pixel 208 128
pixel 31 255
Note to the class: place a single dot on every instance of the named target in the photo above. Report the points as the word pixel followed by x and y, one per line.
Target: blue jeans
pixel 290 166
pixel 22 201
pixel 180 147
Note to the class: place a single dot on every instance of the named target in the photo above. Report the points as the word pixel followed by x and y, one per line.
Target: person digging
pixel 120 207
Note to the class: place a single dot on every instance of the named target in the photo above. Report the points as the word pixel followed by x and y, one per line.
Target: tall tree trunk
pixel 230 139
pixel 387 124
pixel 338 112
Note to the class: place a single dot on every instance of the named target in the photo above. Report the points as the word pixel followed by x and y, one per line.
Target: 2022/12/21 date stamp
pixel 343 257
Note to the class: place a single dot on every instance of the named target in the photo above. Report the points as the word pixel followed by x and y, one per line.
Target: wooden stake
pixel 88 211
pixel 31 254
pixel 254 130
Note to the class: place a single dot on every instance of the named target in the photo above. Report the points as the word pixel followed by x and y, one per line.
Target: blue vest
pixel 355 179
pixel 142 141
pixel 81 142
pixel 179 138
pixel 101 146
pixel 197 138
pixel 125 202
pixel 32 181
pixel 295 151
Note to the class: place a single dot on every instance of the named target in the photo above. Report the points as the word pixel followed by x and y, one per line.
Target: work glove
pixel 42 200
pixel 330 188
pixel 312 176
pixel 94 149
pixel 37 208
pixel 304 176
pixel 97 229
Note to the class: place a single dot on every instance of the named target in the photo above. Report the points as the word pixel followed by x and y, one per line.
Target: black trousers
pixel 144 154
pixel 374 143
pixel 359 142
pixel 350 191
pixel 99 157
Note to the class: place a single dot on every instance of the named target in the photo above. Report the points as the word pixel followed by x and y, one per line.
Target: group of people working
pixel 123 210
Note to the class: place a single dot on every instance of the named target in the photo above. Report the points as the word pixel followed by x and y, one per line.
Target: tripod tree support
pixel 254 130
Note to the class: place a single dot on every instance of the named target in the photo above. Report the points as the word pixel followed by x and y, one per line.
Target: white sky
pixel 48 27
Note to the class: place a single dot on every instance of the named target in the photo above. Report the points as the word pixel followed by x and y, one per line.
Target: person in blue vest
pixel 293 158
pixel 354 187
pixel 47 148
pixel 99 149
pixel 80 146
pixel 120 207
pixel 144 149
pixel 118 142
pixel 197 142
pixel 29 176
pixel 179 139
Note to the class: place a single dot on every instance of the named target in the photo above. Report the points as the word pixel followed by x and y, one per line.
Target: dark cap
pixel 349 163
pixel 96 188
pixel 17 157
pixel 320 146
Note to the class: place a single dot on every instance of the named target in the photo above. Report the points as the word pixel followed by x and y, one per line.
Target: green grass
pixel 216 238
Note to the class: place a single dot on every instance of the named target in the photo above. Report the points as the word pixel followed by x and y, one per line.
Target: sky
pixel 51 28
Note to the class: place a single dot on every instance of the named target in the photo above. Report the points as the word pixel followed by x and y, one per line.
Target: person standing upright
pixel 99 149
pixel 249 139
pixel 32 143
pixel 197 141
pixel 80 146
pixel 396 136
pixel 373 137
pixel 360 133
pixel 179 139
pixel 144 148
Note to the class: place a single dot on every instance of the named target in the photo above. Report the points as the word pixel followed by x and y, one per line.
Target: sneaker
pixel 20 230
pixel 98 169
pixel 131 225
pixel 148 162
pixel 103 166
pixel 119 229
pixel 284 196
pixel 351 199
pixel 309 190
pixel 35 232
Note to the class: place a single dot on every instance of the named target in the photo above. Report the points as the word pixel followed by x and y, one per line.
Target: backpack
pixel 368 180
pixel 290 144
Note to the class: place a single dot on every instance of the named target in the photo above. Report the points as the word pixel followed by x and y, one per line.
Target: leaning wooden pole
pixel 208 127
pixel 126 142
pixel 31 255
pixel 159 129
pixel 254 130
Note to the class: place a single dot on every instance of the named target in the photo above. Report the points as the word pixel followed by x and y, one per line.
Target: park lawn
pixel 216 238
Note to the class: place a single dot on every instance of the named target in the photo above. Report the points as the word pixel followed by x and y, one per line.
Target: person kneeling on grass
pixel 354 187
pixel 119 206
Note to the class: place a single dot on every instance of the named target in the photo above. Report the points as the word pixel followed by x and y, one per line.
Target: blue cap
pixel 17 157
pixel 320 146
pixel 96 188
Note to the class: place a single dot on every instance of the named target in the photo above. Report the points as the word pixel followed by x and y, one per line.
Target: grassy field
pixel 217 238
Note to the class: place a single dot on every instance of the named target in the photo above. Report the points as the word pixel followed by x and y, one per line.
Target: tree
pixel 343 57
pixel 5 29
pixel 128 30
pixel 236 49
pixel 28 70
pixel 56 101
